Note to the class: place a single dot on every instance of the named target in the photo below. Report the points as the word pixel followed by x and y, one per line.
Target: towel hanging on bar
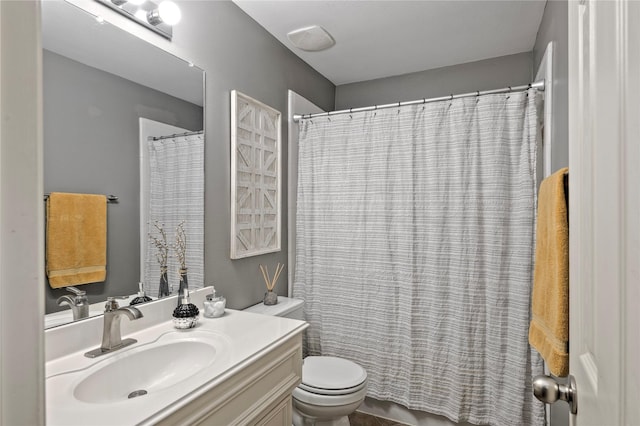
pixel 76 234
pixel 549 329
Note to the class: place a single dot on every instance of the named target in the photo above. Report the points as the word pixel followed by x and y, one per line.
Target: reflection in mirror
pixel 100 85
pixel 172 206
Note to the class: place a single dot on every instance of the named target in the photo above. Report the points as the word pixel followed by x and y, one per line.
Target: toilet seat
pixel 329 392
pixel 327 375
pixel 320 400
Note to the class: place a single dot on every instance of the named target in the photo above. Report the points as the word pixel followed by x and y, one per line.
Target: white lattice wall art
pixel 255 177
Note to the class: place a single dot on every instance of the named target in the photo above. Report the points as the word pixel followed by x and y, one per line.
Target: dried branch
pixel 161 244
pixel 180 247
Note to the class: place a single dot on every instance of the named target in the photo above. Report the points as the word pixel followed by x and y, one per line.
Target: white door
pixel 604 218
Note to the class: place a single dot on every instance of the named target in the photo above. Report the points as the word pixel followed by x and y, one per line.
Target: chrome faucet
pixel 79 304
pixel 111 337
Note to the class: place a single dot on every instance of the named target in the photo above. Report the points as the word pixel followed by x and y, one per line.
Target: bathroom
pixel 235 53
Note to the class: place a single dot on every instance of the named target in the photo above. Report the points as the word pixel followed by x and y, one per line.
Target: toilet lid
pixel 331 373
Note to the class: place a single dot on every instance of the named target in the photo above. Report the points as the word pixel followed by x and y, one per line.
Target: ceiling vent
pixel 311 39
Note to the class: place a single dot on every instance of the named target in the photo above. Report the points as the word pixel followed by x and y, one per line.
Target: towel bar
pixel 110 198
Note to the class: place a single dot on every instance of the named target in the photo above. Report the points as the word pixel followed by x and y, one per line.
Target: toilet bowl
pixel 331 388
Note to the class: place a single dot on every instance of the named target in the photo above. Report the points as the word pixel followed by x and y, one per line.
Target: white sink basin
pixel 145 370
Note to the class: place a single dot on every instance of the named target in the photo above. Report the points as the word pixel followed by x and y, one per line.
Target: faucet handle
pixel 75 291
pixel 112 303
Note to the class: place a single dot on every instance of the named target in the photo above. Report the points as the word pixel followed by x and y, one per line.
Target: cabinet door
pixel 279 416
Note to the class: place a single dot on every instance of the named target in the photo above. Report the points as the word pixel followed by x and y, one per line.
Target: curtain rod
pixel 537 85
pixel 175 135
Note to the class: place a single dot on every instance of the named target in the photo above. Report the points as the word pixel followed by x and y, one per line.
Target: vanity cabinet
pixel 278 415
pixel 258 392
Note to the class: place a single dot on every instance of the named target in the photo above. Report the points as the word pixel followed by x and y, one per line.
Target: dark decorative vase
pixel 184 285
pixel 270 298
pixel 163 290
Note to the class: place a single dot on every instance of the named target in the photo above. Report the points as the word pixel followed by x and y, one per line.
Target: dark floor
pixel 361 419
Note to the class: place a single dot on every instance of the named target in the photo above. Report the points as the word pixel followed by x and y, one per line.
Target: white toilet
pixel 331 388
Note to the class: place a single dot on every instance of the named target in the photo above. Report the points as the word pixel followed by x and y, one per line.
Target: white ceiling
pixel 376 39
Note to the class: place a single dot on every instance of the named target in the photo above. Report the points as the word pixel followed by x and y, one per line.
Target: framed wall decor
pixel 255 177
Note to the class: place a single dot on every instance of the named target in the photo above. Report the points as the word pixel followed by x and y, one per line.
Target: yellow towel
pixel 549 330
pixel 76 239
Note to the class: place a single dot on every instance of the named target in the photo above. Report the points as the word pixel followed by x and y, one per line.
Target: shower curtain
pixel 176 194
pixel 415 243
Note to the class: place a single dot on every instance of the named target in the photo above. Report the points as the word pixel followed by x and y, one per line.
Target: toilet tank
pixel 286 307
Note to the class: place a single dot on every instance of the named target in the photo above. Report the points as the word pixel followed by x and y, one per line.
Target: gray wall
pixel 237 53
pixel 511 70
pixel 91 146
pixel 554 28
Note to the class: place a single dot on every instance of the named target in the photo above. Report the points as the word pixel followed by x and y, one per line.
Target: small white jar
pixel 214 305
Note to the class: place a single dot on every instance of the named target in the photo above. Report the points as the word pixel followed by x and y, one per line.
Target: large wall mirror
pixel 115 109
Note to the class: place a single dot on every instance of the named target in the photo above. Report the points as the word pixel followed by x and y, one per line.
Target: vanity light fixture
pixel 158 16
pixel 167 12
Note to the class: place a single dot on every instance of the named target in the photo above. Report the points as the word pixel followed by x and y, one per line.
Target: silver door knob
pixel 548 390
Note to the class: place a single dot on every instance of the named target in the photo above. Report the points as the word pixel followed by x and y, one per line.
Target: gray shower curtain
pixel 415 241
pixel 176 194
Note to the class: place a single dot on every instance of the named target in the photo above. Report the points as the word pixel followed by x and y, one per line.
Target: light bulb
pixel 141 14
pixel 169 12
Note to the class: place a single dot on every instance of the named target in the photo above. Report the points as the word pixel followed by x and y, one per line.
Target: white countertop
pixel 246 337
